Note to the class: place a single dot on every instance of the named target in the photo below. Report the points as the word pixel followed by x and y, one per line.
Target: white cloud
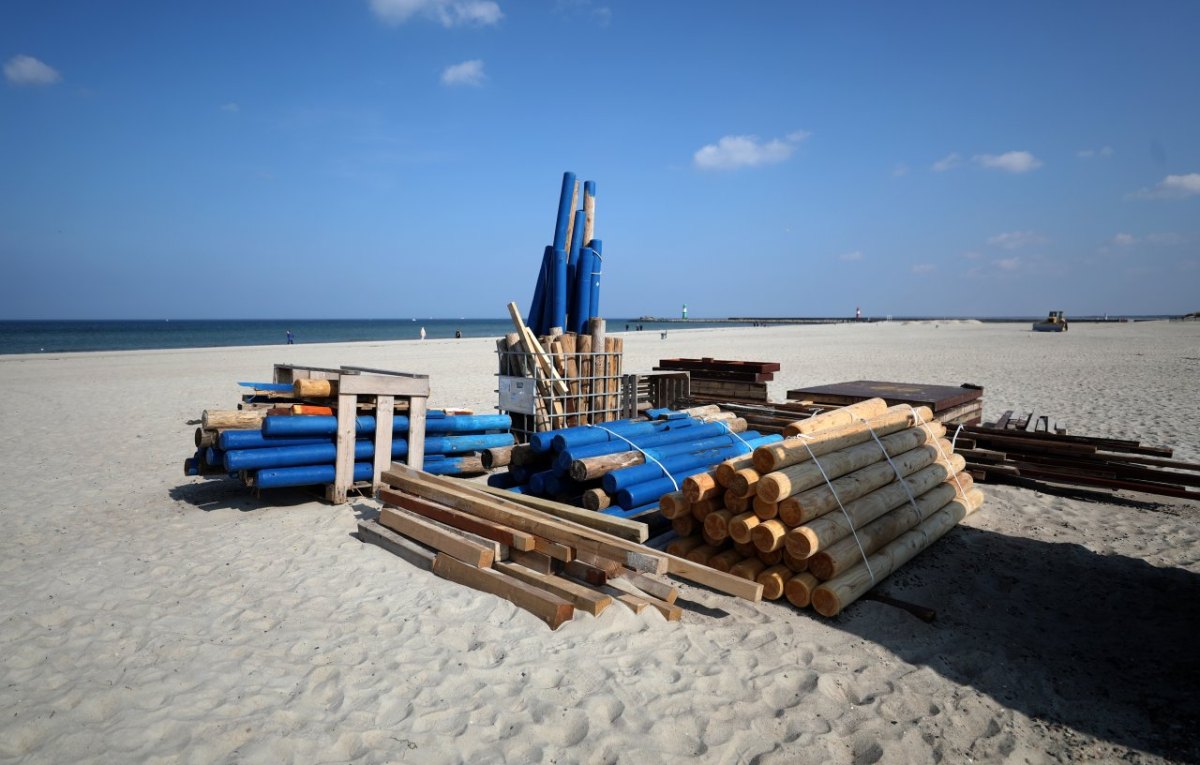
pixel 230 107
pixel 601 15
pixel 1010 161
pixel 448 13
pixel 851 257
pixel 1007 264
pixel 948 162
pixel 1012 240
pixel 1172 187
pixel 899 170
pixel 734 151
pixel 1103 152
pixel 27 70
pixel 466 73
pixel 924 268
pixel 1124 240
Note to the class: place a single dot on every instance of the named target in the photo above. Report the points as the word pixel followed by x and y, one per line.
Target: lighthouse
pixel 684 316
pixel 857 313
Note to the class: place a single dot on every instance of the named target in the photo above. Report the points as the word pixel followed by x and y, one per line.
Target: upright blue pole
pixel 573 270
pixel 581 310
pixel 564 211
pixel 539 296
pixel 558 311
pixel 597 267
pixel 542 326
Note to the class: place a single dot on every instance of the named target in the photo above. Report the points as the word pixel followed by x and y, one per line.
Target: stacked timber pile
pixel 1004 453
pixel 295 444
pixel 823 516
pixel 772 418
pixel 622 468
pixel 724 380
pixel 962 405
pixel 561 344
pixel 544 563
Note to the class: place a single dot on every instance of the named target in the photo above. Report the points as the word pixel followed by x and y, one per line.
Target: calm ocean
pixel 59 336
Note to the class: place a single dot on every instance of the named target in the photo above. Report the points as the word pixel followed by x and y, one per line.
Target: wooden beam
pixel 551 609
pixel 517 540
pixel 415 527
pixel 370 532
pixel 634 531
pixel 534 561
pixel 577 595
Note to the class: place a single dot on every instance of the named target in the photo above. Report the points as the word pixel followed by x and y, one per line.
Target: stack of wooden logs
pixel 623 467
pixel 576 377
pixel 1003 452
pixel 544 559
pixel 724 380
pixel 823 516
pixel 951 405
pixel 293 443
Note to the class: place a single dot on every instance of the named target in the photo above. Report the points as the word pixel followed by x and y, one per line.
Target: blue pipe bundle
pixel 566 294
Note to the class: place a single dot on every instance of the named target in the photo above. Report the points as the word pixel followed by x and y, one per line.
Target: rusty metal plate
pixel 936 397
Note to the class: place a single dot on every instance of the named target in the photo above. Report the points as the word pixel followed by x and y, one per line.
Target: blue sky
pixel 395 158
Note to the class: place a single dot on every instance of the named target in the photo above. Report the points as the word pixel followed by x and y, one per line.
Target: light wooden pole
pixel 862 410
pixel 795 450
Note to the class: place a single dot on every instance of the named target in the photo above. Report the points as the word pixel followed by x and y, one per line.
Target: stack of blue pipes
pixel 670 446
pixel 300 450
pixel 567 294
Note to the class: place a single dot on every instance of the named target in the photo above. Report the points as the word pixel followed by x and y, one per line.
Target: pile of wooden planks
pixel 575 378
pixel 1006 452
pixel 724 380
pixel 951 405
pixel 539 558
pixel 821 517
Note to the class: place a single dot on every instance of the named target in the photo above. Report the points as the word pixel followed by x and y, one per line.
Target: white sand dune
pixel 147 617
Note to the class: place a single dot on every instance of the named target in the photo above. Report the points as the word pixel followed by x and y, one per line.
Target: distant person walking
pixel 291 339
pixel 422 333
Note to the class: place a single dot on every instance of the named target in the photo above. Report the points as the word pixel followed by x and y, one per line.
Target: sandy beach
pixel 149 617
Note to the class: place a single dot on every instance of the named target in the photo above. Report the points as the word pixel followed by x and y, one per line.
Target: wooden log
pixel 633 531
pixel 372 532
pixel 522 455
pixel 591 468
pixel 716 524
pixel 737 504
pixel 314 388
pixel 582 598
pixel 799 589
pixel 517 540
pixel 684 525
pixel 803 541
pixel 702 509
pixel 744 482
pixel 417 528
pixel 741 526
pixel 836 558
pixel 701 554
pixel 765 510
pixel 794 563
pixel 534 561
pixel 768 535
pixel 725 470
pixel 749 569
pixel 814 503
pixel 710 539
pixel 551 609
pixel 599 371
pixel 771 558
pixel 702 486
pixel 725 560
pixel 794 479
pixel 224 419
pixel 474 500
pixel 746 549
pixel 830 598
pixel 683 545
pixel 206 438
pixel 583 352
pixel 596 499
pixel 793 451
pixel 673 505
pixel 496 457
pixel 773 580
pixel 846 415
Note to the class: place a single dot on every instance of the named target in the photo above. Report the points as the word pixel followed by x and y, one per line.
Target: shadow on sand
pixel 1102 644
pixel 228 494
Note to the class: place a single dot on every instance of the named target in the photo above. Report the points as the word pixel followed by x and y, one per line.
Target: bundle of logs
pixel 295 444
pixel 622 468
pixel 576 378
pixel 541 560
pixel 823 516
pixel 1005 452
pixel 724 380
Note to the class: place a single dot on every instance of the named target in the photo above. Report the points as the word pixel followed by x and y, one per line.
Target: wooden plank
pixel 661 590
pixel 675 565
pixel 370 532
pixel 634 531
pixel 517 540
pixel 384 410
pixel 415 527
pixel 416 432
pixel 534 561
pixel 554 550
pixel 586 572
pixel 551 609
pixel 393 385
pixel 579 596
pixel 630 601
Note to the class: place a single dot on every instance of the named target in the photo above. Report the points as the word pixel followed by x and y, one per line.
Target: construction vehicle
pixel 1055 322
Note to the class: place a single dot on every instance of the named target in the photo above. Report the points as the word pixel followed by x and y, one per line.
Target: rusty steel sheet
pixel 936 397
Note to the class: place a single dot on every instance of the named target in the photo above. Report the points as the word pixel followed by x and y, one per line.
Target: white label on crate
pixel 516 394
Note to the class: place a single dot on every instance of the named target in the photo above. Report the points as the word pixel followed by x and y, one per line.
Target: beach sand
pixel 148 617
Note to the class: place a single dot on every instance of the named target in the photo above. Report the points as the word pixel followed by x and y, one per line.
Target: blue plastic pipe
pixel 537 305
pixel 572 273
pixel 669 439
pixel 307 475
pixel 651 491
pixel 254 439
pixel 581 288
pixel 564 211
pixel 320 425
pixel 569 438
pixel 272 386
pixel 619 479
pixel 317 454
pixel 597 267
pixel 558 303
pixel 543 442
